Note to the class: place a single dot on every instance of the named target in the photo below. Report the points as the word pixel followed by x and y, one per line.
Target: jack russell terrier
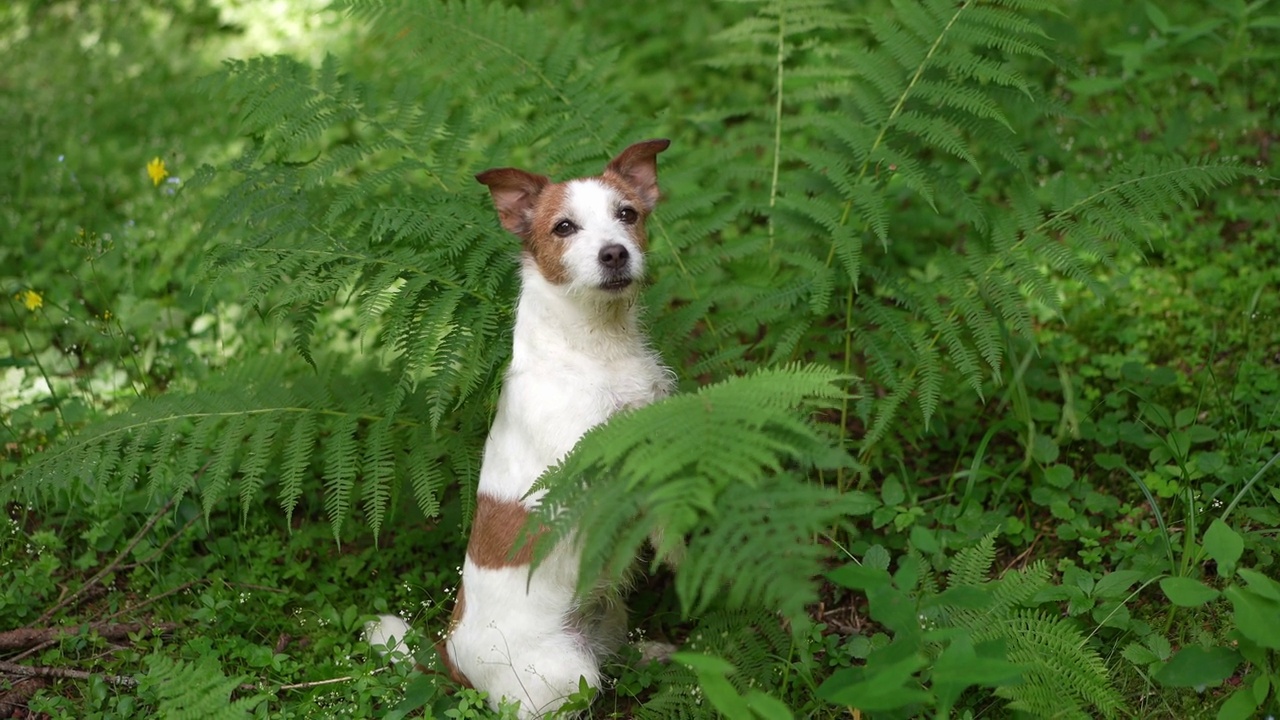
pixel 579 355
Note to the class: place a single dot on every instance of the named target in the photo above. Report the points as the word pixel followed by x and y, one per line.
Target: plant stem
pixel 777 117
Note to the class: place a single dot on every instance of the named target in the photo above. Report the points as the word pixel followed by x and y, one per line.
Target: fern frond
pixel 970 566
pixel 262 420
pixel 193 690
pixel 1062 675
pixel 297 460
pixel 341 461
pixel 258 454
pixel 709 465
pixel 925 100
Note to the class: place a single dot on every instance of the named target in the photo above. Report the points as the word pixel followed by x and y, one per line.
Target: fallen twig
pixel 11 668
pixel 309 684
pixel 26 637
pixel 54 641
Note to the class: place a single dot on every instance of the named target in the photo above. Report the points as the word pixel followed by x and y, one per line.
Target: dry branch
pixel 27 637
pixel 9 668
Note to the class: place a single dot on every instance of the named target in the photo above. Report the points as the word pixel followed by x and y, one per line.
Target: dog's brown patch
pixel 545 247
pixel 494 532
pixel 442 647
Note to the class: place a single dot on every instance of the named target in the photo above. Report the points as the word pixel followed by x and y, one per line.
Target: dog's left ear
pixel 514 192
pixel 638 167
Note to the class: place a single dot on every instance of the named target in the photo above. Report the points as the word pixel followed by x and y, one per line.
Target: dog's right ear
pixel 638 167
pixel 514 194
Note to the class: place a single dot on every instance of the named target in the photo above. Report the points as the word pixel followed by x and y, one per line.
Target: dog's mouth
pixel 616 284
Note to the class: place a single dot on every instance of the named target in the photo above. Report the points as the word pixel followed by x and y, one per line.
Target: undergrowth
pixel 972 307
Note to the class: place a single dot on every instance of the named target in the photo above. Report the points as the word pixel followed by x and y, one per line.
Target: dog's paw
pixel 386 635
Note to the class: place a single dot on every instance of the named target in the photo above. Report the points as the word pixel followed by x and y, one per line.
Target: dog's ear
pixel 638 167
pixel 514 194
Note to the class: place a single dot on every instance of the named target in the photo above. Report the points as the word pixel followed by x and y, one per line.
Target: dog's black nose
pixel 614 256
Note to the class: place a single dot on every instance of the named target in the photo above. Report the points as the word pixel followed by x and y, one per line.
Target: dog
pixel 579 355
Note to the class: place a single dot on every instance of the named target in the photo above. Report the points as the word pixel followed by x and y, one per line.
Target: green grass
pixel 1105 450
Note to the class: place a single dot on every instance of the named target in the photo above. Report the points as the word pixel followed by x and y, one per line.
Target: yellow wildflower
pixel 156 170
pixel 31 299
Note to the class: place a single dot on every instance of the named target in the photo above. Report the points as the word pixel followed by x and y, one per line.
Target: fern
pixel 1062 675
pixel 194 690
pixel 714 466
pixel 263 414
pixel 976 632
pixel 869 133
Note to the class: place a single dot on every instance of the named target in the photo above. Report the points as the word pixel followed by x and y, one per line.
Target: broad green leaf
pixel 704 663
pixel 712 672
pixel 768 707
pixel 1239 706
pixel 1257 617
pixel 1108 461
pixel 1159 645
pixel 1157 17
pixel 1209 462
pixel 1186 592
pixel 1138 655
pixel 885 687
pixel 1260 584
pixel 856 502
pixel 892 493
pixel 1198 667
pixel 1059 476
pixel 1116 583
pixel 1158 414
pixel 961 665
pixel 860 577
pixel 1202 433
pixel 964 597
pixel 876 557
pixel 1044 450
pixel 1224 545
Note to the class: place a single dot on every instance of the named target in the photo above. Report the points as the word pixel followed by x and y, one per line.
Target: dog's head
pixel 585 235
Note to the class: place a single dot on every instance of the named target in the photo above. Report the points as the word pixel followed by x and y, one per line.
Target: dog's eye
pixel 628 215
pixel 564 228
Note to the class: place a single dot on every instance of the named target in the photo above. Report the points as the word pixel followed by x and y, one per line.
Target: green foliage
pixel 1255 610
pixel 976 632
pixel 193 690
pixel 736 652
pixel 910 204
pixel 712 468
pixel 220 441
pixel 712 673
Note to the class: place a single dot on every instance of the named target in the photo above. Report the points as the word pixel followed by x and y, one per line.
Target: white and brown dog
pixel 579 355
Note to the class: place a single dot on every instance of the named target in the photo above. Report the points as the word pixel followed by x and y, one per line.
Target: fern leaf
pixel 258 454
pixel 379 471
pixel 340 467
pixel 720 469
pixel 297 460
pixel 194 690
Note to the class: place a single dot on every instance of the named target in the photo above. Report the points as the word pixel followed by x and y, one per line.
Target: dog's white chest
pixel 549 403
